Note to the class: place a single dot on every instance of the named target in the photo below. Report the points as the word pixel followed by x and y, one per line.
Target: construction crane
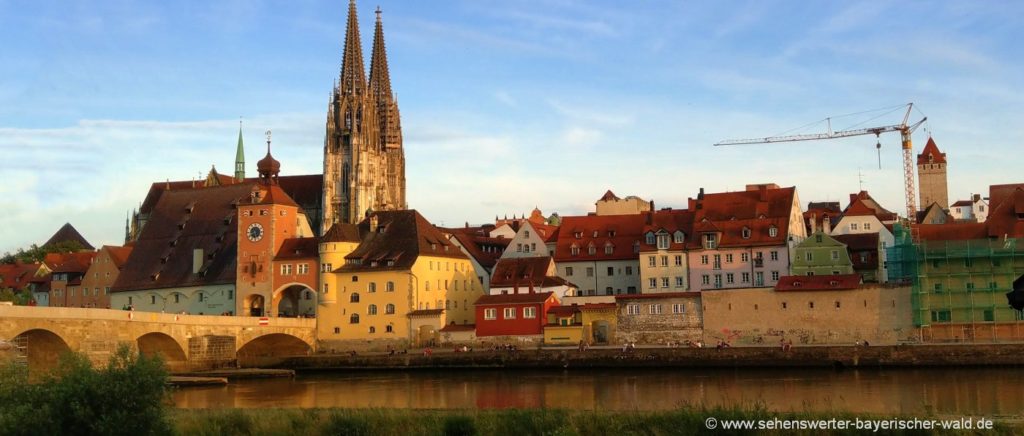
pixel 905 131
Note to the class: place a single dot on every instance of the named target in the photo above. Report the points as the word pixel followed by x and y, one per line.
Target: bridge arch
pixel 42 349
pixel 163 345
pixel 271 347
pixel 294 300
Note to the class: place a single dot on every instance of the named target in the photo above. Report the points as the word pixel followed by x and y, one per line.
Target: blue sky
pixel 506 105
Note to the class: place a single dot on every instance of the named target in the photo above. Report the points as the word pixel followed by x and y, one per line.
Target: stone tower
pixel 931 176
pixel 364 163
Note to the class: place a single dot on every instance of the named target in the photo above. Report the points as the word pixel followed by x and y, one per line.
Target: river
pixel 943 391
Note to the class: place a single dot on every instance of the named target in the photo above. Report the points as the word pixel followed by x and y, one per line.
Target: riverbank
pixel 764 357
pixel 521 422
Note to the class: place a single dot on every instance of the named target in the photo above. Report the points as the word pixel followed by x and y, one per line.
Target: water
pixel 954 391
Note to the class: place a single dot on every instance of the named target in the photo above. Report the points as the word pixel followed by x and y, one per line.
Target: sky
pixel 506 105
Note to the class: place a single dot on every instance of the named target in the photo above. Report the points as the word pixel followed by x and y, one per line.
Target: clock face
pixel 254 232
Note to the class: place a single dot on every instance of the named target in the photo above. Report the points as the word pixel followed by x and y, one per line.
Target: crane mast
pixel 905 136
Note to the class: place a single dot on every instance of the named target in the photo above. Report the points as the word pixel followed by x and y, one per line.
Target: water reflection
pixel 975 391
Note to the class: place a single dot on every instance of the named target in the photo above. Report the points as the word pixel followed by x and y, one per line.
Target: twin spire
pixel 352 79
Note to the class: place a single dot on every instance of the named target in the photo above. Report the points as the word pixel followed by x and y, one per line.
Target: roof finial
pixel 378 12
pixel 268 141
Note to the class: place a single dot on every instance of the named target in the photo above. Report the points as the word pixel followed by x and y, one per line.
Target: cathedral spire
pixel 239 157
pixel 380 78
pixel 352 79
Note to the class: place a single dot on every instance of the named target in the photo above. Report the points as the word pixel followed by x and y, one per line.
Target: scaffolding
pixel 960 283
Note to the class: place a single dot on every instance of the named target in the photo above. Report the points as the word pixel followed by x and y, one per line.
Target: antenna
pixel 860 180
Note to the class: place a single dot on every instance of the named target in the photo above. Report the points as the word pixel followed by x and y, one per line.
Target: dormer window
pixel 591 249
pixel 710 241
pixel 746 233
pixel 650 238
pixel 679 237
pixel 611 233
pixel 773 231
pixel 574 250
pixel 609 248
pixel 662 241
pixel 595 233
pixel 577 235
pixel 433 246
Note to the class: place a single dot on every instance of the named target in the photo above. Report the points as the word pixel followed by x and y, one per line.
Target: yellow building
pixel 392 280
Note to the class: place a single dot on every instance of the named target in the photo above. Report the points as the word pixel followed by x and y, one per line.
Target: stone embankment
pixel 762 357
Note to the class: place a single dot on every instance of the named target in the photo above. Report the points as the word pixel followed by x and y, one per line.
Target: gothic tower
pixel 364 163
pixel 239 157
pixel 931 176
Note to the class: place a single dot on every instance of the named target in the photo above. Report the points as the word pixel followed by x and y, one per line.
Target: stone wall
pixel 661 327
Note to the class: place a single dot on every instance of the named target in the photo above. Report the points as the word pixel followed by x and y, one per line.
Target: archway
pixel 426 335
pixel 295 300
pixel 160 344
pixel 254 303
pixel 271 348
pixel 42 350
pixel 601 330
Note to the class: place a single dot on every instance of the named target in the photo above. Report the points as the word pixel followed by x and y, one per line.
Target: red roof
pixel 757 209
pixel 298 248
pixel 532 298
pixel 617 232
pixel 861 204
pixel 818 283
pixel 273 194
pixel 669 221
pixel 1006 218
pixel 485 250
pixel 931 150
pixel 951 231
pixel 118 255
pixel 563 311
pixel 400 238
pixel 526 272
pixel 18 275
pixel 962 203
pixel 690 294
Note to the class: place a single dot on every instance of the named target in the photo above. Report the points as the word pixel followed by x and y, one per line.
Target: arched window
pixel 354 319
pixel 390 287
pixel 746 233
pixel 371 310
pixel 348 120
pixel 679 237
pixel 373 329
pixel 354 298
pixel 372 287
pixel 389 309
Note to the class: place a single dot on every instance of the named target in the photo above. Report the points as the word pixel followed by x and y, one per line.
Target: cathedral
pixel 364 163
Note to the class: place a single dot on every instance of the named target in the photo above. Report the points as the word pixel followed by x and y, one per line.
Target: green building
pixel 960 273
pixel 821 254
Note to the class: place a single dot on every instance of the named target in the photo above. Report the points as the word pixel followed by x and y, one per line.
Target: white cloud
pixel 581 136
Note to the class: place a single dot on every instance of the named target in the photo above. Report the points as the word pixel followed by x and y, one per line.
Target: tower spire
pixel 239 156
pixel 380 78
pixel 352 79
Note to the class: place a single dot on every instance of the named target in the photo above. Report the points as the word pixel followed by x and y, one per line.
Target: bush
pixel 127 397
pixel 459 426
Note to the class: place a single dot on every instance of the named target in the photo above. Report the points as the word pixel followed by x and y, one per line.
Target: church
pixel 231 244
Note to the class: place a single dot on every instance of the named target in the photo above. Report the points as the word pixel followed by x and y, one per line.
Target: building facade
pixel 600 254
pixel 100 278
pixel 661 319
pixel 663 257
pixel 821 254
pixel 523 315
pixel 931 176
pixel 364 163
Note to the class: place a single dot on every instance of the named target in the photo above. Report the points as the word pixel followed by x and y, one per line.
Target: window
pixel 651 261
pixel 337 330
pixel 730 278
pixel 718 280
pixel 609 248
pixel 649 238
pixel 853 226
pixel 519 248
pixel 354 298
pixel 968 262
pixel 490 314
pixel 664 261
pixel 152 298
pixel 989 315
pixel 835 254
pixel 759 278
pixel 106 291
pixel 679 281
pixel 837 304
pixel 303 268
pixel 373 330
pixel 354 319
pixel 664 282
pixel 970 286
pixel 389 328
pixel 590 271
pixel 662 241
pixel 941 316
pixel 775 255
pixel 938 287
pixel 703 259
pixel 633 309
pixel 355 278
pixel 809 256
pixel 652 283
pixel 371 287
pixel 371 310
pixel 710 240
pixel 867 226
pixel 636 246
pixel 568 271
pixel 992 285
pixel 426 285
pixel 608 290
pixel 783 304
pixel 510 313
pixel 201 296
pixel 629 270
pixel 775 275
pixel 591 250
pixel 728 258
pixel 286 269
pixel 574 250
pixel 746 233
pixel 810 305
pixel 773 232
pixel 679 260
pixel 718 262
pixel 177 297
pixel 526 233
pixel 231 293
pixel 529 312
pixel 611 271
pixel 744 257
pixel 678 308
pixel 705 279
pixel 389 287
pixel 655 309
pixel 679 237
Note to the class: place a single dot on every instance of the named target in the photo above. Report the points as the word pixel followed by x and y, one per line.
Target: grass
pixel 509 422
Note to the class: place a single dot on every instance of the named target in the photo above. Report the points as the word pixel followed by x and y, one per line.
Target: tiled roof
pixel 162 256
pixel 859 241
pixel 818 283
pixel 608 196
pixel 400 238
pixel 274 194
pixel 861 204
pixel 930 149
pixel 67 232
pixel 951 232
pixel 525 272
pixel 657 295
pixel 962 203
pixel 564 311
pixel 18 275
pixel 758 209
pixel 119 255
pixel 474 243
pixel 298 248
pixel 341 232
pixel 531 298
pixel 621 231
pixel 451 328
pixel 426 312
pixel 1006 218
pixel 75 262
pixel 669 221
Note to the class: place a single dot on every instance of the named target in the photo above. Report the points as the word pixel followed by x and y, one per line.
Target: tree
pixel 36 254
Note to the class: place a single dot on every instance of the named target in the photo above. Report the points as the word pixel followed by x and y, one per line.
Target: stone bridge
pixel 38 335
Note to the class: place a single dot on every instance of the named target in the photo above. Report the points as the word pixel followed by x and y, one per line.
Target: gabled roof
pixel 962 203
pixel 298 248
pixel 180 222
pixel 118 255
pixel 342 232
pixel 818 283
pixel 530 298
pixel 758 209
pixel 620 231
pixel 274 194
pixel 669 221
pixel 474 246
pixel 525 272
pixel 75 262
pixel 18 275
pixel 861 204
pixel 67 233
pixel 931 150
pixel 608 196
pixel 400 238
pixel 933 214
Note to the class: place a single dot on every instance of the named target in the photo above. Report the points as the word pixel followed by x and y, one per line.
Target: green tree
pixel 36 253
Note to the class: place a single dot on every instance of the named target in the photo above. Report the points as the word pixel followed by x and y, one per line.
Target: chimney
pixel 814 223
pixel 853 198
pixel 700 195
pixel 976 197
pixel 197 260
pixel 762 192
pixel 652 205
pixel 827 224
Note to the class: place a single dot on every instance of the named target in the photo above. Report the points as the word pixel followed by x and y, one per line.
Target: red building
pixel 513 314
